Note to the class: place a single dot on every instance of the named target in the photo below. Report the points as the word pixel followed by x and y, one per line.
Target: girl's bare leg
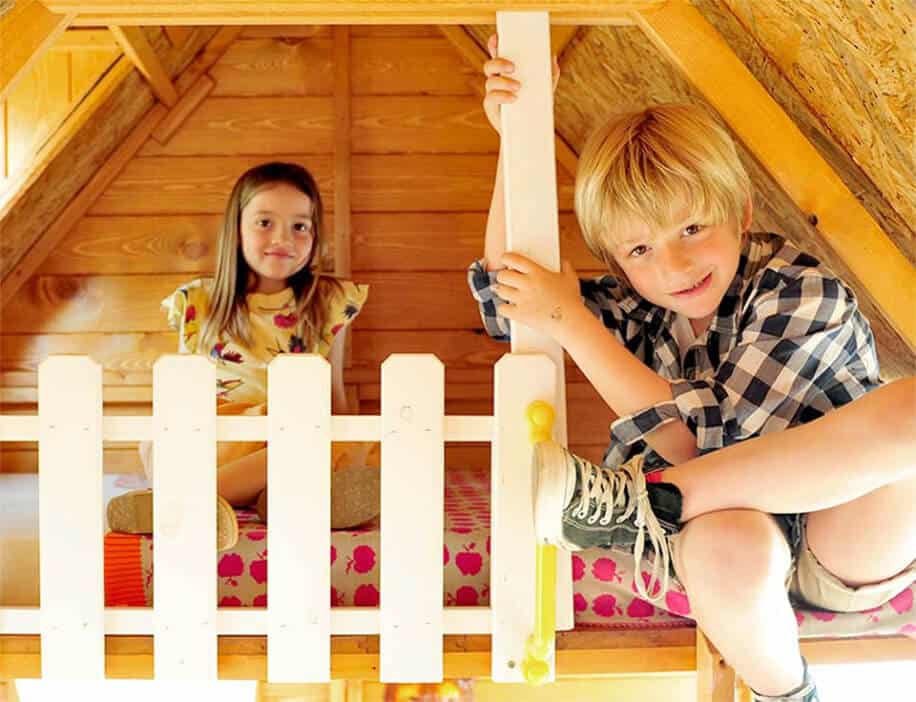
pixel 842 456
pixel 733 565
pixel 240 482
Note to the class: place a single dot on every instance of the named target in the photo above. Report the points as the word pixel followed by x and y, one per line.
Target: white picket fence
pixel 298 622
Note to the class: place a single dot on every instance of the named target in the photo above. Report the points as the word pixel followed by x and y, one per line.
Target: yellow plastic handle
pixel 539 647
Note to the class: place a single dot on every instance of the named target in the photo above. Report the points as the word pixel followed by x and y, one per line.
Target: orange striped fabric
pixel 123 571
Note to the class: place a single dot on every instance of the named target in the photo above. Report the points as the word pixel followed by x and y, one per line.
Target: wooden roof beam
pixel 156 12
pixel 27 30
pixel 684 36
pixel 86 39
pixel 138 49
pixel 475 56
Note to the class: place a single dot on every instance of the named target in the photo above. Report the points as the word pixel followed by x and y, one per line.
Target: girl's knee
pixel 729 552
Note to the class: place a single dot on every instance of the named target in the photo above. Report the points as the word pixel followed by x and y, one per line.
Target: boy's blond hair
pixel 644 166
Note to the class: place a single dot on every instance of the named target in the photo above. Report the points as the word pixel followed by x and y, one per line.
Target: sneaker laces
pixel 625 488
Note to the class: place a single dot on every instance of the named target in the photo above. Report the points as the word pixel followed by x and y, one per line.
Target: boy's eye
pixel 263 222
pixel 693 229
pixel 638 251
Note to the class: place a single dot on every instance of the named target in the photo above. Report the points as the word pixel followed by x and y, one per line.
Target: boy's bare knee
pixel 732 552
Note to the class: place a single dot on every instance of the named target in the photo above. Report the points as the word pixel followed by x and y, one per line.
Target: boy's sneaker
pixel 132 513
pixel 579 505
pixel 806 692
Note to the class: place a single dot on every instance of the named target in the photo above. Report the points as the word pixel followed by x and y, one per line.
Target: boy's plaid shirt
pixel 787 344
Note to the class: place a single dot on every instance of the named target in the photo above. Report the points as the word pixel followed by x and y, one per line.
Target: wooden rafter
pixel 27 30
pixel 29 206
pixel 683 35
pixel 156 12
pixel 475 56
pixel 137 47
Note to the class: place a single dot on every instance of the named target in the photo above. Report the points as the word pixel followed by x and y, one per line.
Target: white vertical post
pixel 519 380
pixel 184 518
pixel 413 465
pixel 532 226
pixel 70 518
pixel 299 522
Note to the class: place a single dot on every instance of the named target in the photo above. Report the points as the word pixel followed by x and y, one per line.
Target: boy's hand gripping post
pixel 540 644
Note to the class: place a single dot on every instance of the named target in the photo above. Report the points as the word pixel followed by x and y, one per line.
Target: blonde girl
pixel 267 297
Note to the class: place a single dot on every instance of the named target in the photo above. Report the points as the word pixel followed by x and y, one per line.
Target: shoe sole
pixel 549 492
pixel 132 513
pixel 355 496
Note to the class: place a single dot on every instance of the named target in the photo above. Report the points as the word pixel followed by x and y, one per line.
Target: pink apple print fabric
pixel 604 593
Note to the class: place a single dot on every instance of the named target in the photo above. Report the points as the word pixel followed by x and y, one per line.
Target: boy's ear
pixel 748 213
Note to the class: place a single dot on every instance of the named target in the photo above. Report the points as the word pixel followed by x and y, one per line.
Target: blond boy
pixel 705 336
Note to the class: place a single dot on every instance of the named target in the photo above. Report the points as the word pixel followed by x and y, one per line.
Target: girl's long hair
pixel 228 314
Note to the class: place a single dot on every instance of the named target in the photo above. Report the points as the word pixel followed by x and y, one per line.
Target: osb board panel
pixel 297 66
pixel 816 127
pixel 380 125
pixel 854 63
pixel 632 74
pixel 380 183
pixel 382 241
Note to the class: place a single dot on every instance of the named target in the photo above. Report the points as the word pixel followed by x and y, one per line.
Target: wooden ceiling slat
pixel 27 30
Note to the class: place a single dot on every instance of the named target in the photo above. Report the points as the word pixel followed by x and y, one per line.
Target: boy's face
pixel 686 268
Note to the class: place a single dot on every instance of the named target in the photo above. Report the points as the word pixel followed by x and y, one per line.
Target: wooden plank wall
pixel 44 97
pixel 423 159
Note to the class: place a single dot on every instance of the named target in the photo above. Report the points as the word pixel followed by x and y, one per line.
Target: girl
pixel 267 297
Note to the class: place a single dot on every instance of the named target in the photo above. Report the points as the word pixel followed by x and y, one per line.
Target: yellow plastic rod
pixel 539 647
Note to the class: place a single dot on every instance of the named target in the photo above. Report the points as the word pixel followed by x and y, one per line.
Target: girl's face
pixel 277 235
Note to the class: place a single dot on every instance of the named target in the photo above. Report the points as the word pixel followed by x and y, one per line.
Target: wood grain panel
pixel 266 66
pixel 402 241
pixel 403 183
pixel 381 125
pixel 70 304
pixel 420 66
pixel 238 126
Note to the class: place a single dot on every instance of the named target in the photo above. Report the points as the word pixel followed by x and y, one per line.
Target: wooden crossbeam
pixel 137 47
pixel 475 56
pixel 83 39
pixel 684 36
pixel 157 12
pixel 27 30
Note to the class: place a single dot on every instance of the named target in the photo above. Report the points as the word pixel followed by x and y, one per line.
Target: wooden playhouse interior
pixel 124 125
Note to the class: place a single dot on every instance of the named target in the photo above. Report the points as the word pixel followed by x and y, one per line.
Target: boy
pixel 705 336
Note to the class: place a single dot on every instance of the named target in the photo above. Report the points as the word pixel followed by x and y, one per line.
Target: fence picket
pixel 184 518
pixel 71 521
pixel 299 519
pixel 413 464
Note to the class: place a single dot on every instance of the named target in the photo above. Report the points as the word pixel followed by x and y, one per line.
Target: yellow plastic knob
pixel 540 417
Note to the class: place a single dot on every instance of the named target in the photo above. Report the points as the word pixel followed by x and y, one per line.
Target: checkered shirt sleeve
pixel 600 295
pixel 802 349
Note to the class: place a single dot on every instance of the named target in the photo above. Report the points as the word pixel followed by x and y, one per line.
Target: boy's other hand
pixel 500 87
pixel 536 297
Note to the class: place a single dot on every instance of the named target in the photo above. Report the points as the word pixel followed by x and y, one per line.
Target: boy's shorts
pixel 810 583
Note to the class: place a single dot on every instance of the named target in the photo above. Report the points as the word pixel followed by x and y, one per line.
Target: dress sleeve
pixel 184 310
pixel 344 306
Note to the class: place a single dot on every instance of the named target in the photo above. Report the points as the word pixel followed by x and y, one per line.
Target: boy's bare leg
pixel 842 456
pixel 869 539
pixel 734 564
